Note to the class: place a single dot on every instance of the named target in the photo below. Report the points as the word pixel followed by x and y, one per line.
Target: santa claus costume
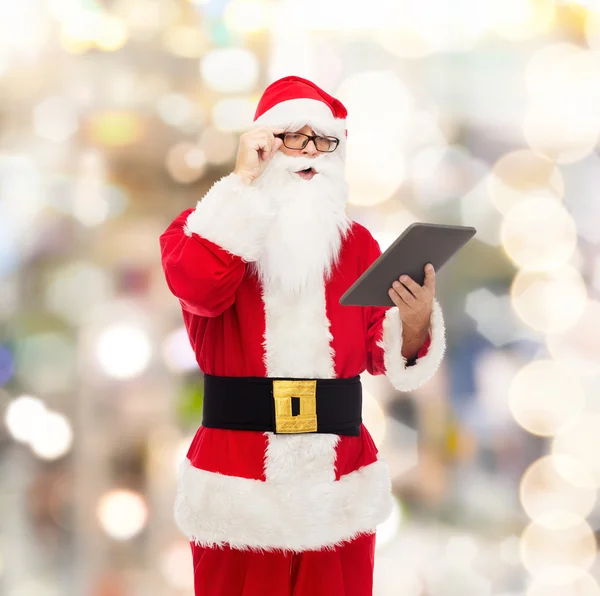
pixel 259 270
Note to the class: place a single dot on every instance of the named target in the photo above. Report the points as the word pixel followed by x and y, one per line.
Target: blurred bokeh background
pixel 115 115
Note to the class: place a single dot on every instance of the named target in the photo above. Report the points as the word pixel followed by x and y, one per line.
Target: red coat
pixel 260 490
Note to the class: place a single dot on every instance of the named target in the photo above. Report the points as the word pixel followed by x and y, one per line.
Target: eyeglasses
pixel 298 140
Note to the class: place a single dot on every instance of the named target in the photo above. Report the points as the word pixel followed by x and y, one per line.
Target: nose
pixel 310 149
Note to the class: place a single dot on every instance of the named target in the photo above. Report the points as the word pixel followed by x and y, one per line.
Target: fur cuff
pixel 234 216
pixel 214 509
pixel 405 378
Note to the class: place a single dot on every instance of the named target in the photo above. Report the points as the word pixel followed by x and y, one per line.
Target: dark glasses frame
pixel 307 139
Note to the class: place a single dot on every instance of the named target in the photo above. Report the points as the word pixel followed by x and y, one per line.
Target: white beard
pixel 304 240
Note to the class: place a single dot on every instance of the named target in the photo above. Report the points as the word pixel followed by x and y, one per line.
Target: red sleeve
pixel 201 274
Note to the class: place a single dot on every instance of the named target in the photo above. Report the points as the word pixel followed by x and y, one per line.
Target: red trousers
pixel 346 570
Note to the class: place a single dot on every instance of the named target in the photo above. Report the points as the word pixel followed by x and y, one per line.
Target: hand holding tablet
pixel 419 244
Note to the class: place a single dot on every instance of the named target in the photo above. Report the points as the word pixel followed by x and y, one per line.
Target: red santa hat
pixel 293 102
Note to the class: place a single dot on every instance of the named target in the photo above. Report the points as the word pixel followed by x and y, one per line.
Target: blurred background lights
pixel 54 438
pixel 230 70
pixel 123 351
pixel 219 146
pixel 520 174
pixel 175 565
pixel 592 28
pixel 175 109
pixel 185 41
pixel 374 417
pixel 537 398
pixel 234 114
pixel 578 348
pixel 583 585
pixel 122 513
pixel 48 433
pixel 582 441
pixel 115 129
pixel 441 173
pixel 379 106
pixel 75 289
pixel 178 352
pixel 556 483
pixel 55 119
pixel 494 317
pixel 7 366
pixel 538 233
pixel 560 554
pixel 549 301
pixel 180 452
pixel 387 531
pixel 247 16
pixel 563 120
pixel 186 162
pixel 24 417
pixel 46 362
pixel 574 84
pixel 463 549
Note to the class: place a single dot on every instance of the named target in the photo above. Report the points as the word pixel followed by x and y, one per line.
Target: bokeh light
pixel 231 70
pixel 178 352
pixel 581 441
pixel 175 564
pixel 557 483
pixel 55 437
pixel 584 585
pixel 560 550
pixel 122 513
pixel 520 174
pixel 578 348
pixel 186 162
pixel 115 129
pixel 380 105
pixel 218 146
pixel 539 234
pixel 233 114
pixel 123 351
pixel 549 301
pixel 24 417
pixel 563 120
pixel 537 398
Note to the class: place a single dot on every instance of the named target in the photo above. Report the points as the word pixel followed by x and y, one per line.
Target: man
pixel 281 490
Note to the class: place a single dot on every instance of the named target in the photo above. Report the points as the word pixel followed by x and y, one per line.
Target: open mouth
pixel 307 174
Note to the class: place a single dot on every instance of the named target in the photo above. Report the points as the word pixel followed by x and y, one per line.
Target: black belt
pixel 283 405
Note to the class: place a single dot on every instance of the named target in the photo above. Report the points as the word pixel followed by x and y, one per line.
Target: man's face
pixel 309 151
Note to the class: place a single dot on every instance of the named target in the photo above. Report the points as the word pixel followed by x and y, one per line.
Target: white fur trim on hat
pixel 214 509
pixel 233 215
pixel 293 114
pixel 407 378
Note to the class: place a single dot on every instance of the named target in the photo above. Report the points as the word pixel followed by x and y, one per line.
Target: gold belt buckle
pixel 306 392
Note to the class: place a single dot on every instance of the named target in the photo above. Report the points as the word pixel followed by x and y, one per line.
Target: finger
pixel 264 145
pixel 411 284
pixel 278 143
pixel 430 277
pixel 404 294
pixel 396 298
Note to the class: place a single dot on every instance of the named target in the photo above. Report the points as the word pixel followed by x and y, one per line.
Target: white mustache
pixel 322 164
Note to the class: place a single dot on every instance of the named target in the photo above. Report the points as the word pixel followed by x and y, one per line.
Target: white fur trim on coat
pixel 233 215
pixel 293 114
pixel 215 510
pixel 407 378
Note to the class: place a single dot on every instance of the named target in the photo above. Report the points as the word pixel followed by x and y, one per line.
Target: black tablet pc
pixel 419 244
